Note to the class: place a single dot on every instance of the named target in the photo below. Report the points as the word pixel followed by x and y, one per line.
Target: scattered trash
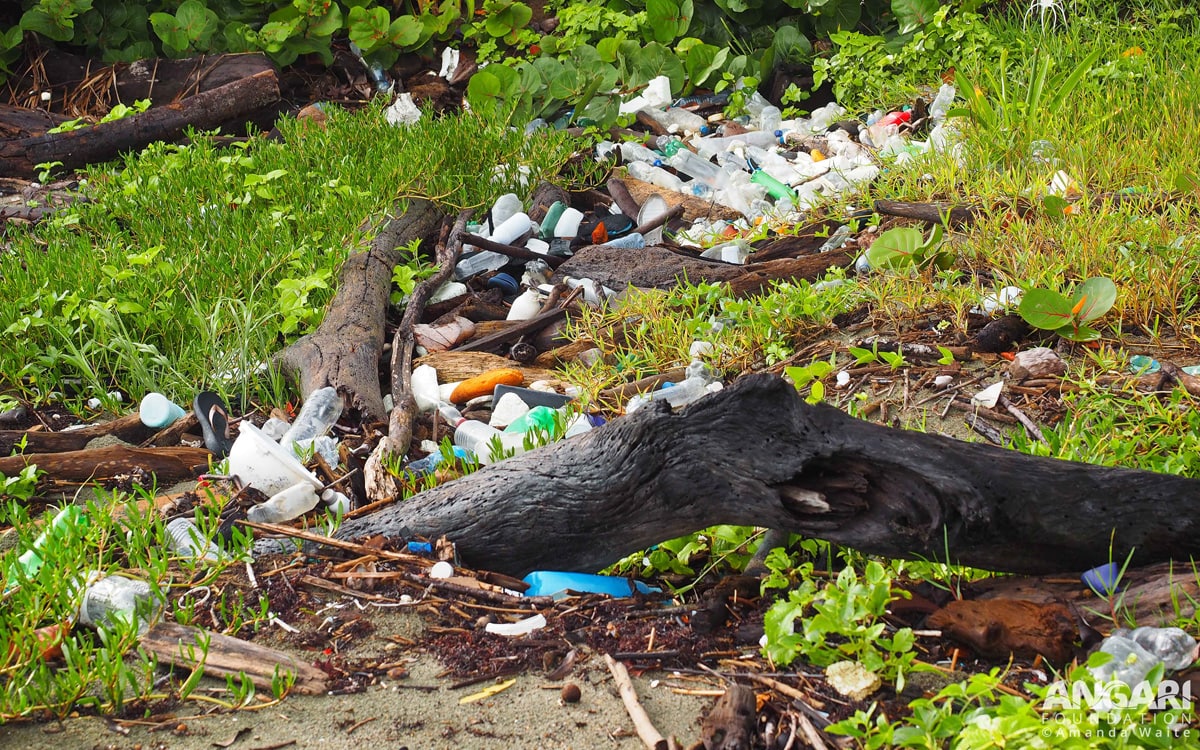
pixel 852 679
pixel 990 396
pixel 403 111
pixel 108 600
pixel 158 411
pixel 488 692
pixel 263 464
pixel 518 628
pixel 557 584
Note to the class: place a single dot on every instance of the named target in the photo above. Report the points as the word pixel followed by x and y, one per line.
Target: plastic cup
pixel 158 411
pixel 263 464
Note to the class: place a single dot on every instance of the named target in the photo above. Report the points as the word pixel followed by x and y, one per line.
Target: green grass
pixel 192 265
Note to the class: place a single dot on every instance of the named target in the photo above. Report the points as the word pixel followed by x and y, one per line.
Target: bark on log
pixel 659 268
pixel 757 454
pixel 167 464
pixel 345 349
pixel 105 141
pixel 128 428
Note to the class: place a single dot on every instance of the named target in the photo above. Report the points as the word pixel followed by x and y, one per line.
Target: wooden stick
pixel 641 721
pixel 512 251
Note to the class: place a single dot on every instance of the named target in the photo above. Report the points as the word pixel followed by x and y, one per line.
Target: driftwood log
pixel 345 350
pixel 104 141
pixel 757 454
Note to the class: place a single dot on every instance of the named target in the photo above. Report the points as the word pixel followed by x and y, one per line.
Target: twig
pixel 1031 428
pixel 641 721
pixel 512 251
pixel 976 423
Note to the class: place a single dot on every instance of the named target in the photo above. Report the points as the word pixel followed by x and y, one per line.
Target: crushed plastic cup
pixel 158 411
pixel 520 627
pixel 265 465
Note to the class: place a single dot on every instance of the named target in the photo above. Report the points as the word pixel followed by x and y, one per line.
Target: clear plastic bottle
pixel 320 413
pixel 730 252
pixel 655 176
pixel 941 103
pixel 770 119
pixel 291 503
pixel 632 151
pixel 1173 646
pixel 1130 663
pixel 477 437
pixel 698 168
pixel 111 599
pixel 677 120
pixel 185 538
pixel 480 262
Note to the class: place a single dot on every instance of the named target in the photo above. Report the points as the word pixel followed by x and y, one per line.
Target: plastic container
pixel 505 283
pixel 185 539
pixel 520 627
pixel 542 417
pixel 505 207
pixel 632 151
pixel 517 226
pixel 1173 646
pixel 556 584
pixel 775 188
pixel 568 223
pixel 770 119
pixel 698 168
pixel 941 103
pixel 158 411
pixel 525 306
pixel 550 221
pixel 730 252
pixel 676 120
pixel 292 502
pixel 320 412
pixel 632 241
pixel 425 388
pixel 480 262
pixel 1130 663
pixel 263 464
pixel 31 560
pixel 110 600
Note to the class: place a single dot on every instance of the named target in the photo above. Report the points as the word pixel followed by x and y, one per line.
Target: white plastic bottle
pixel 108 600
pixel 291 503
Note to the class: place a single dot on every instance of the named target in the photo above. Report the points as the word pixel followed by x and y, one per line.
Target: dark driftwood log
pixel 345 349
pixel 104 141
pixel 757 454
pixel 168 464
pixel 128 428
pixel 659 268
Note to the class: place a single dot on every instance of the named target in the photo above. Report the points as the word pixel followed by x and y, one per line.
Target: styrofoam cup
pixel 261 463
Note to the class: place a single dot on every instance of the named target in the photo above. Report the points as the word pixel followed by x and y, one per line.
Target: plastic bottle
pixel 710 147
pixel 31 560
pixel 1130 663
pixel 158 411
pixel 477 437
pixel 513 229
pixel 840 237
pixel 655 176
pixel 505 207
pixel 480 262
pixel 676 120
pixel 1173 646
pixel 291 503
pixel 632 151
pixel 425 388
pixel 319 414
pixel 542 417
pixel 525 306
pixel 185 538
pixel 770 119
pixel 109 600
pixel 698 168
pixel 568 223
pixel 941 103
pixel 730 252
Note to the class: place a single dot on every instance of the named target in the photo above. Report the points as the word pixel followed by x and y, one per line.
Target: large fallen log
pixel 345 349
pixel 78 148
pixel 757 454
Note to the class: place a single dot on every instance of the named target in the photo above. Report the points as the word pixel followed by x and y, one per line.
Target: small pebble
pixel 570 693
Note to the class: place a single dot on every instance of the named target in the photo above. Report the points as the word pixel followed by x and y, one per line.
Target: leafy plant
pixel 21 487
pixel 905 246
pixel 1068 316
pixel 811 373
pixel 190 29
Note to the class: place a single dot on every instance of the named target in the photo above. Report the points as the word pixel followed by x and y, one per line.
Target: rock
pixel 1040 362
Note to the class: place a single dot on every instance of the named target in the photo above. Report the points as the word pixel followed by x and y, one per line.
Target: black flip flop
pixel 214 422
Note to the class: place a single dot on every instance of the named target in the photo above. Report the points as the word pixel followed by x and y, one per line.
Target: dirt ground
pixel 418 711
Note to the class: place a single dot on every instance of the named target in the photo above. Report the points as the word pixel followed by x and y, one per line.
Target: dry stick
pixel 512 251
pixel 361 549
pixel 516 331
pixel 404 406
pixel 641 722
pixel 1030 427
pixel 626 202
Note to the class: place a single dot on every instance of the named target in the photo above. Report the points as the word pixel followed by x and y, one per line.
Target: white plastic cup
pixel 568 223
pixel 158 411
pixel 265 465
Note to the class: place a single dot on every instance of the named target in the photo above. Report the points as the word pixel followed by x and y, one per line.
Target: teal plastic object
pixel 555 584
pixel 541 417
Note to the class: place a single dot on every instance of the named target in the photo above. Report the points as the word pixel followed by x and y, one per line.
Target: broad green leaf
pixel 327 24
pixel 791 45
pixel 40 22
pixel 913 14
pixel 198 22
pixel 368 28
pixel 895 248
pixel 170 31
pixel 1055 205
pixel 1078 333
pixel 1098 295
pixel 405 31
pixel 1187 182
pixel 483 90
pixel 1045 308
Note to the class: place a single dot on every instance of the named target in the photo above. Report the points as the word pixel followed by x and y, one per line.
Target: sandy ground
pixel 399 714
